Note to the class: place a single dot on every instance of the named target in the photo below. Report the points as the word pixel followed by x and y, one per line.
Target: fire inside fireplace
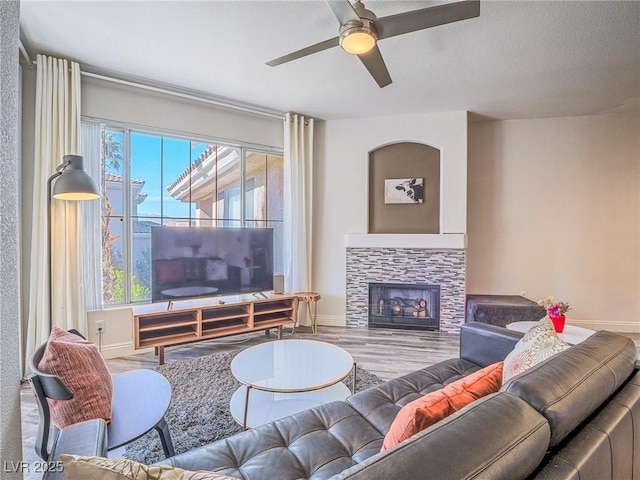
pixel 399 305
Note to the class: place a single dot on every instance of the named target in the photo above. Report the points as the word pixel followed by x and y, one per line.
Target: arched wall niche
pixel 404 160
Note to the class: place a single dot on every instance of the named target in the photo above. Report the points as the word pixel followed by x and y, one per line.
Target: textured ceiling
pixel 519 59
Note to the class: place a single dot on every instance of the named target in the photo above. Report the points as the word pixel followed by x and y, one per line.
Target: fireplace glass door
pixel 398 305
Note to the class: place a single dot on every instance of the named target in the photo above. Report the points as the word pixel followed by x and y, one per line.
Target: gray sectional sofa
pixel 573 416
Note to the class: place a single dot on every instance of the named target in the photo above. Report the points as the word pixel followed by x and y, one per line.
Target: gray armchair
pixel 140 400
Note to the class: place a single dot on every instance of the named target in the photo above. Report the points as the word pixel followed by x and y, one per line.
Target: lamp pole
pixel 49 260
pixel 76 184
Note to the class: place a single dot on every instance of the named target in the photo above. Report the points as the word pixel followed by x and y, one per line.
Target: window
pixel 150 179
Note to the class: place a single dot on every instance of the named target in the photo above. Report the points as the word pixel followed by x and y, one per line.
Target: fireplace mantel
pixel 410 240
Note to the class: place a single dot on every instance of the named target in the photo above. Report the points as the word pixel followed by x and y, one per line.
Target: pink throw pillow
pixel 82 369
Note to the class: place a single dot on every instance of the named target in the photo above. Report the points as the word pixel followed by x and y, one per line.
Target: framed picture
pixel 403 190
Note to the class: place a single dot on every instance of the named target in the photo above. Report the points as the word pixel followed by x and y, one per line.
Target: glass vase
pixel 558 322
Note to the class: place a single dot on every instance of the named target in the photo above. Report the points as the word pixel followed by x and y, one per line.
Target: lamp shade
pixel 74 183
pixel 358 40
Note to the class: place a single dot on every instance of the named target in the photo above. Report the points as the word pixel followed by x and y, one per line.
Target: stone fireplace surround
pixel 407 258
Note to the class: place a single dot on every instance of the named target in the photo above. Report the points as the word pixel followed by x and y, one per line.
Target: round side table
pixel 571 334
pixel 309 298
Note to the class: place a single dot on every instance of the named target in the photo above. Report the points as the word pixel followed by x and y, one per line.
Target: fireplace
pixel 401 305
pixel 412 261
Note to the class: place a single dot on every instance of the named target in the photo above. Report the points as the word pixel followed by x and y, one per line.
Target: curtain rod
pixel 25 54
pixel 187 96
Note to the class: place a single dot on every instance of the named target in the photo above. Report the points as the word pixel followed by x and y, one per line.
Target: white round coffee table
pixel 284 377
pixel 571 334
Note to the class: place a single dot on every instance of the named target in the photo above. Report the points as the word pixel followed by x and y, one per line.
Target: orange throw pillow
pixel 433 407
pixel 82 369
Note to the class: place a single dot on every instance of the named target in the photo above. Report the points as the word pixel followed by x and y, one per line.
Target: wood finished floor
pixel 387 353
pixel 370 348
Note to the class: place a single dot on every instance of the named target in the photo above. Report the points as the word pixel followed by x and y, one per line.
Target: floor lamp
pixel 74 184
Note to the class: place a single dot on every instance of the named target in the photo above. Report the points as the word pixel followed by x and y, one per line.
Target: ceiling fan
pixel 360 31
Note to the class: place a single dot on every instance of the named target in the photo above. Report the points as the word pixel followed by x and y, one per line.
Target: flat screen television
pixel 188 262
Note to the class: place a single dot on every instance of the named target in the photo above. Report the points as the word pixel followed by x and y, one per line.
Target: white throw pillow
pixel 543 327
pixel 538 344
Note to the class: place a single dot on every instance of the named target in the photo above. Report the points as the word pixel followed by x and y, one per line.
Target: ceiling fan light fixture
pixel 358 39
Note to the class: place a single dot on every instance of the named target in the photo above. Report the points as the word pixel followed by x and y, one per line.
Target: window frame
pixel 127 231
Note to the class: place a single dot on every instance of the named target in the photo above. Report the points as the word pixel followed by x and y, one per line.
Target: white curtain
pixel 91 232
pixel 57 133
pixel 298 198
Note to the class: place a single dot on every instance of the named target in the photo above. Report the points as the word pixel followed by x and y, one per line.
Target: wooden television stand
pixel 165 324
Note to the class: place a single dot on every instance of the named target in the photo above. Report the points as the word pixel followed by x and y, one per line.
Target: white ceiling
pixel 519 59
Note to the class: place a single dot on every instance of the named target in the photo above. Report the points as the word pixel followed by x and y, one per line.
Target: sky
pixel 158 162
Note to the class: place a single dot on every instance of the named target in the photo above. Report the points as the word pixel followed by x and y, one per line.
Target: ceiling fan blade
pixel 318 47
pixel 344 12
pixel 372 60
pixel 425 18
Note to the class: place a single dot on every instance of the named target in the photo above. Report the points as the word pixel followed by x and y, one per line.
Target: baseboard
pixel 331 320
pixel 123 349
pixel 619 326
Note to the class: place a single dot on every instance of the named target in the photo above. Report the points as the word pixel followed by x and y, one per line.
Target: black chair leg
pixel 165 437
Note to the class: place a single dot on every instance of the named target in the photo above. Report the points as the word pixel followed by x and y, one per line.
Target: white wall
pixel 554 209
pixel 117 336
pixel 111 101
pixel 341 188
